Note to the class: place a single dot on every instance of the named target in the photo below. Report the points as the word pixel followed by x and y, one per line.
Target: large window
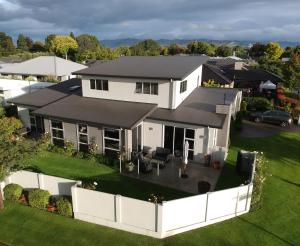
pixel 146 88
pixel 183 85
pixel 83 138
pixel 111 140
pixel 99 84
pixel 57 132
pixel 33 125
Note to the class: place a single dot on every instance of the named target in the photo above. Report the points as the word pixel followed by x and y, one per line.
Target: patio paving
pixel 169 176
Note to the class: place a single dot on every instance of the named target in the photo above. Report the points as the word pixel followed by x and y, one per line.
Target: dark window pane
pixel 92 84
pixel 146 88
pixel 59 142
pixel 189 133
pixel 191 144
pixel 98 84
pixel 57 124
pixel 183 85
pixel 105 85
pixel 139 87
pixel 112 153
pixel 83 147
pixel 111 133
pixel 154 89
pixel 82 128
pixel 32 120
pixel 169 132
pixel 113 144
pixel 57 133
pixel 83 138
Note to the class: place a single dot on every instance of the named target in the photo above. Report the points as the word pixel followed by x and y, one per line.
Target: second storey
pixel 164 81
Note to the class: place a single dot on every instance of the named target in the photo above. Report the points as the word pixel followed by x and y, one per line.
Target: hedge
pixel 39 198
pixel 64 207
pixel 13 192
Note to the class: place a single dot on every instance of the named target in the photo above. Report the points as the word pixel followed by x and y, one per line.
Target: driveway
pixel 254 130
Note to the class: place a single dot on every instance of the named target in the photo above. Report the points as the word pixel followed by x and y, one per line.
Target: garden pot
pixel 52 208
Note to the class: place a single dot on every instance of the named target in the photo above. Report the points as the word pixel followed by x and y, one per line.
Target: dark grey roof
pixel 48 95
pixel 199 108
pixel 255 75
pixel 98 112
pixel 210 72
pixel 155 67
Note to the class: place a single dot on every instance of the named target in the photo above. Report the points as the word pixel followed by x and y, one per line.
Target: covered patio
pixel 169 176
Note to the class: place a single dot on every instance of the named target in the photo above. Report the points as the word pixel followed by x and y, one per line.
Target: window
pixel 99 84
pixel 83 138
pixel 111 140
pixel 32 121
pixel 57 132
pixel 183 86
pixel 146 88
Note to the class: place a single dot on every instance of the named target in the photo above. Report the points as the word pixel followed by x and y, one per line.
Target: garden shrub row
pixel 39 198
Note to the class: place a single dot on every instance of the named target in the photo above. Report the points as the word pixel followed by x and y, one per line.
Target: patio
pixel 169 176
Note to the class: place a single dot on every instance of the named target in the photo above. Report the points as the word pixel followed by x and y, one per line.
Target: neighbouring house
pixel 10 88
pixel 136 103
pixel 42 68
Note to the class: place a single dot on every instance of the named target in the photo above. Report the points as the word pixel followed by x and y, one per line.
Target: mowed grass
pixel 277 223
pixel 109 180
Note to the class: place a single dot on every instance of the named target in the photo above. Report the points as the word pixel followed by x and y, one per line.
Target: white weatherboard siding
pixel 123 89
pixel 193 81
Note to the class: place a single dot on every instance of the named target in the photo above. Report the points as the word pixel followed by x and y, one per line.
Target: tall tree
pixel 257 50
pixel 273 51
pixel 292 72
pixel 22 43
pixel 175 49
pixel 13 147
pixel 38 46
pixel 62 45
pixel 204 48
pixel 6 44
pixel 48 42
pixel 72 35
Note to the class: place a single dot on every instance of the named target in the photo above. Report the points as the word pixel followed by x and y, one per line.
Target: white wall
pixel 153 134
pixel 123 89
pixel 193 81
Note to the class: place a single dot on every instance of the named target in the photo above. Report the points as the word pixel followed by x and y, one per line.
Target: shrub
pixel 13 192
pixel 258 104
pixel 258 182
pixel 69 148
pixel 64 207
pixel 238 122
pixel 39 198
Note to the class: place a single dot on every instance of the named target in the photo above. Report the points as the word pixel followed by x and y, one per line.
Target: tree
pixel 292 72
pixel 38 46
pixel 175 49
pixel 72 35
pixel 257 50
pixel 147 47
pixel 88 47
pixel 61 45
pixel 205 48
pixel 22 43
pixel 273 51
pixel 240 51
pixel 13 147
pixel 48 42
pixel 6 44
pixel 224 51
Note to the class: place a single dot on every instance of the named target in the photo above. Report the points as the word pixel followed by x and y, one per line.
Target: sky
pixel 258 20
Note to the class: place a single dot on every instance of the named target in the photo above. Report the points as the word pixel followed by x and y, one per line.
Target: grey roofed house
pixel 216 74
pixel 43 66
pixel 155 67
pixel 136 102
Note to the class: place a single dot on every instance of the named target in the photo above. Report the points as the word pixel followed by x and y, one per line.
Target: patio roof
pixel 199 108
pixel 98 112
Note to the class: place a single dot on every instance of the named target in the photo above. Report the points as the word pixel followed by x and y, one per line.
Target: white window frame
pixel 80 133
pixel 31 116
pixel 151 83
pixel 114 139
pixel 63 130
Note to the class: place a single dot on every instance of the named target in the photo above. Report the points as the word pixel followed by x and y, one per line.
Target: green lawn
pixel 277 223
pixel 108 179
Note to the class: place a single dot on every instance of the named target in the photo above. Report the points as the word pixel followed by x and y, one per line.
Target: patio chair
pixel 161 154
pixel 145 165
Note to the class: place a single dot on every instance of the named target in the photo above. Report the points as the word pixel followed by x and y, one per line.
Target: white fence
pixel 29 180
pixel 169 218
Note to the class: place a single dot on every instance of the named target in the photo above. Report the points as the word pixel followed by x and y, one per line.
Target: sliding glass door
pixel 175 137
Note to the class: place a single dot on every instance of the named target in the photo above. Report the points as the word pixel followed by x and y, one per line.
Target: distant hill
pixel 113 43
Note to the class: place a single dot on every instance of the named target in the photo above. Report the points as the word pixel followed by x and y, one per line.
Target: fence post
pixel 74 199
pixel 40 177
pixel 206 208
pixel 237 202
pixel 118 204
pixel 2 185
